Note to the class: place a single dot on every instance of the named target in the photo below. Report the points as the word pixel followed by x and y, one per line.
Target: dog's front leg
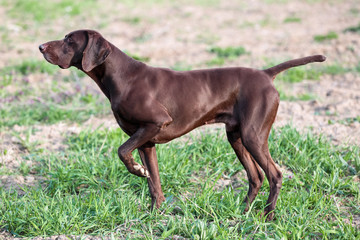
pixel 140 137
pixel 148 157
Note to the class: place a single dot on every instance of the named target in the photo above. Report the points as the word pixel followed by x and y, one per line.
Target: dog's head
pixel 84 49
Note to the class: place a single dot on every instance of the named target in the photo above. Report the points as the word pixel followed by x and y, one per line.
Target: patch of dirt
pixel 240 179
pixel 49 138
pixel 18 182
pixel 237 180
pixel 11 161
pixel 331 114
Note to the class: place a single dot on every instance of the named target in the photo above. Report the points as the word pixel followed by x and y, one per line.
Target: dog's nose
pixel 42 48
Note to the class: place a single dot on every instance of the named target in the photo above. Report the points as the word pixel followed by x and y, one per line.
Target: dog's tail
pixel 273 71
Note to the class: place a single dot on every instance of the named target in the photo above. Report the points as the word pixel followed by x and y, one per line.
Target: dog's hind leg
pixel 253 171
pixel 256 119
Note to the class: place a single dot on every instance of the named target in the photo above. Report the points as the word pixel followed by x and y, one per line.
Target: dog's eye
pixel 68 39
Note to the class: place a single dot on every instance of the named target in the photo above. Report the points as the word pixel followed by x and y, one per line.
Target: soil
pixel 180 35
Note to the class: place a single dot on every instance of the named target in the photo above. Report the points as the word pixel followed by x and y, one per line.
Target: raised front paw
pixel 140 171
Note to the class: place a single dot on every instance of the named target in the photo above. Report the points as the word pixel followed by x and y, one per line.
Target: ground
pixel 180 35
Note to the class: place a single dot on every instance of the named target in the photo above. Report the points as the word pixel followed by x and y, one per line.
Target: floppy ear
pixel 96 51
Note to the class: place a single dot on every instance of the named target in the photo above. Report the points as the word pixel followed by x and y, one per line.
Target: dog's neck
pixel 118 69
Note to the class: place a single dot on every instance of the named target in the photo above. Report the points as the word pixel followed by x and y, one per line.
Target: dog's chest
pixel 127 127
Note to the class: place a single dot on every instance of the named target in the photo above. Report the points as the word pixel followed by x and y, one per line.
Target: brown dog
pixel 155 105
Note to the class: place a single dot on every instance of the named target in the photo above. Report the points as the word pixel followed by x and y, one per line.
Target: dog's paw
pixel 141 171
pixel 269 215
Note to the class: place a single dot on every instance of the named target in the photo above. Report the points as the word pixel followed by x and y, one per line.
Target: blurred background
pixel 185 35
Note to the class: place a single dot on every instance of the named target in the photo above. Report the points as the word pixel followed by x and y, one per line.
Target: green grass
pixel 50 113
pixel 228 52
pixel 353 29
pixel 223 54
pixel 267 21
pixel 335 69
pixel 207 38
pixel 138 57
pixel 41 11
pixel 298 74
pixel 180 66
pixel 275 1
pixel 46 100
pixel 329 36
pixel 132 20
pixel 215 62
pixel 27 67
pixel 89 191
pixel 338 69
pixel 147 3
pixel 354 11
pixel 309 72
pixel 284 96
pixel 144 37
pixel 292 20
pixel 346 121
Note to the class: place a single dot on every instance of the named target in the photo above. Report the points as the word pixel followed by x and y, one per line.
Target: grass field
pixel 87 190
pixel 59 169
